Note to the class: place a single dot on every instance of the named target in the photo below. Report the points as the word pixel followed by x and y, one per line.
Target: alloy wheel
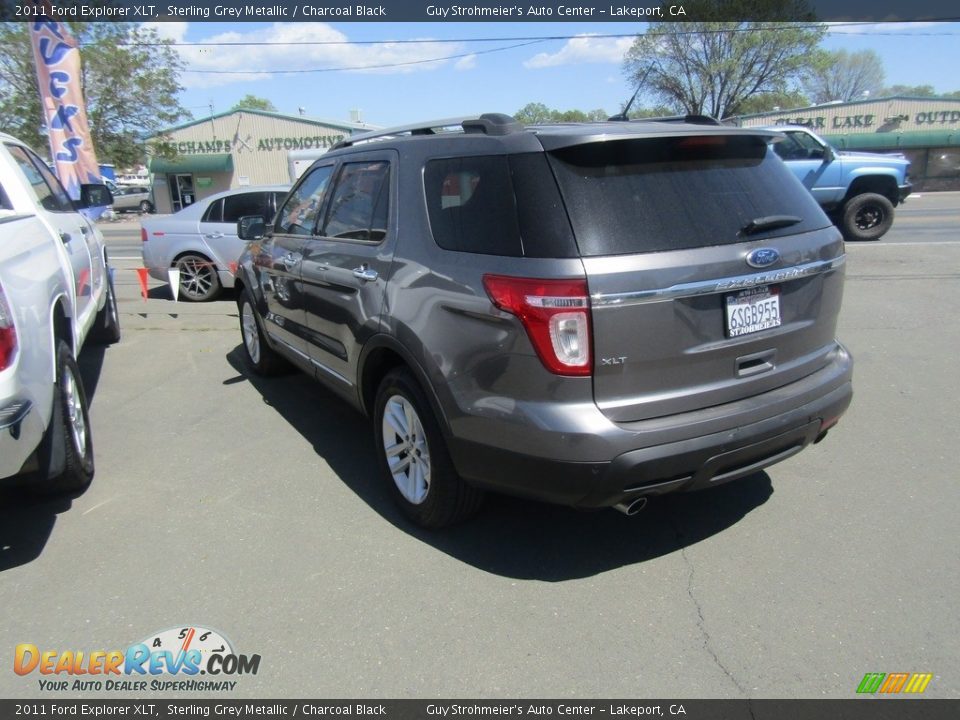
pixel 406 450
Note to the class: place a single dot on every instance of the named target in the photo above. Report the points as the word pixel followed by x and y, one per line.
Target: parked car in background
pixel 858 190
pixel 133 198
pixel 591 314
pixel 201 240
pixel 55 294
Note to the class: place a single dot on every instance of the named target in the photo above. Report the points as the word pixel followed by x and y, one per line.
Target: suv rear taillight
pixel 555 314
pixel 8 334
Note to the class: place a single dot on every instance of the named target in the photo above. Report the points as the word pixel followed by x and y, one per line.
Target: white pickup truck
pixel 55 292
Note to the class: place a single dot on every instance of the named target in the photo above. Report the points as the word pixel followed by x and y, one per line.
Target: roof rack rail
pixel 487 124
pixel 692 119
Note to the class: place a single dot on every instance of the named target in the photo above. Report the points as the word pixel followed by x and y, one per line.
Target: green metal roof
pixel 317 122
pixel 214 163
pixel 894 140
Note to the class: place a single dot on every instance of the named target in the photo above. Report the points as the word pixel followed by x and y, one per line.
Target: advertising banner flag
pixel 57 59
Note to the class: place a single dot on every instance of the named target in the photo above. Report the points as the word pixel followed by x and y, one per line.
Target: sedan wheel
pixel 198 278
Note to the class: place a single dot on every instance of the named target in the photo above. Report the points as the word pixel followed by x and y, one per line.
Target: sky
pixel 457 69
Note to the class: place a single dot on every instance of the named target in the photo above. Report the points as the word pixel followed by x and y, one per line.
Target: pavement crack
pixel 701 620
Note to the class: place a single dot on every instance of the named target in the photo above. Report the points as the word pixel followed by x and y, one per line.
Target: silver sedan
pixel 201 240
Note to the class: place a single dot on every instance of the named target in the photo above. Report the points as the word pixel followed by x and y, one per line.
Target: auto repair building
pixel 926 130
pixel 233 149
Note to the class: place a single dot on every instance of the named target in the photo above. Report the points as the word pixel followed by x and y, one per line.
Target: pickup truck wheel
pixel 866 217
pixel 414 457
pixel 106 328
pixel 66 451
pixel 261 358
pixel 199 281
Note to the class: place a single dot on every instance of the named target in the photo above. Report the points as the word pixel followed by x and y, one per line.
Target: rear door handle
pixel 65 237
pixel 365 273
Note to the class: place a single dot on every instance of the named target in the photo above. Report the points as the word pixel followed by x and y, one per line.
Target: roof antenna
pixel 622 115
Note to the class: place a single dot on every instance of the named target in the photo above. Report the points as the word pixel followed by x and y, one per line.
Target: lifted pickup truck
pixel 857 190
pixel 55 292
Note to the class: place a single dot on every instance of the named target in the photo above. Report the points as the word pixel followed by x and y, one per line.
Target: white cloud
pixel 466 63
pixel 583 49
pixel 254 62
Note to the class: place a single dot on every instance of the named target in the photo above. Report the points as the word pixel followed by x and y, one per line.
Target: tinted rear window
pixel 637 196
pixel 497 205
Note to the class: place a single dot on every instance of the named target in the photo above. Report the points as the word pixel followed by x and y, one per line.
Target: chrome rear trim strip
pixel 709 287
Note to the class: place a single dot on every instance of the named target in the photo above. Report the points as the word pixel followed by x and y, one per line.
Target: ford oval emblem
pixel 763 257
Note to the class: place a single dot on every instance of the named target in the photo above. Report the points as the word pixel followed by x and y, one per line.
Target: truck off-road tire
pixel 65 454
pixel 106 328
pixel 414 458
pixel 866 217
pixel 260 357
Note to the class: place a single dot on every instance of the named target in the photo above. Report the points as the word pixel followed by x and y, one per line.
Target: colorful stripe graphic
pixel 893 683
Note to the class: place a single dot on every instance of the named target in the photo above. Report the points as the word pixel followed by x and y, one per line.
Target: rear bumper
pixel 648 469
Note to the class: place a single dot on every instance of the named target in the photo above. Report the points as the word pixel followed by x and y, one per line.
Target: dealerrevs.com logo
pixel 182 653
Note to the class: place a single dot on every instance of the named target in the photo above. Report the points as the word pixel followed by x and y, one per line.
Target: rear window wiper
pixel 769 222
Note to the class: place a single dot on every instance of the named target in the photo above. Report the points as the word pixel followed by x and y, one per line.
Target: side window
pixel 471 205
pixel 46 188
pixel 810 147
pixel 5 203
pixel 359 204
pixel 236 206
pixel 298 216
pixel 214 213
pixel 789 149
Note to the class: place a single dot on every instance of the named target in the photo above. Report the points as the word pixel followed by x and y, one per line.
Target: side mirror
pixel 828 154
pixel 251 227
pixel 94 196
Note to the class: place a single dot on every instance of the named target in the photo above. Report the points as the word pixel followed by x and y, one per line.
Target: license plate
pixel 753 310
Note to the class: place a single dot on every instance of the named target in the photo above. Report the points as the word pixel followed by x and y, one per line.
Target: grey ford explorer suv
pixel 587 314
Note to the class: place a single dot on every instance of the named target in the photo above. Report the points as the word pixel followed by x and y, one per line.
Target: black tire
pixel 106 328
pixel 260 357
pixel 446 499
pixel 65 454
pixel 146 206
pixel 866 217
pixel 199 281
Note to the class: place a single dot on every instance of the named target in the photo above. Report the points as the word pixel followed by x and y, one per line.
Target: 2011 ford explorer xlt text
pixel 588 314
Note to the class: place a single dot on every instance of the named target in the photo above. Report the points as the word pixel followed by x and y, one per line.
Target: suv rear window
pixel 497 205
pixel 675 193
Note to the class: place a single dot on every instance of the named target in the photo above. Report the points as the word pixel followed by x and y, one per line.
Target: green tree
pixel 925 91
pixel 252 102
pixel 713 65
pixel 537 113
pixel 129 78
pixel 845 76
pixel 767 102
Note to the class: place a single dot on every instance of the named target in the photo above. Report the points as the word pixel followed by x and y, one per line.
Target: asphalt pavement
pixel 253 507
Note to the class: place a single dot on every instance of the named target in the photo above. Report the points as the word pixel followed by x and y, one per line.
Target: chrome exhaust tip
pixel 631 507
